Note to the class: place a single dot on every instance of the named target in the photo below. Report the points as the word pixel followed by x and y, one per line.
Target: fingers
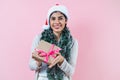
pixel 54 62
pixel 35 56
pixel 58 60
pixel 58 54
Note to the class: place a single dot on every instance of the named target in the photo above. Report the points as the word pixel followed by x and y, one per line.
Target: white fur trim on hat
pixel 60 8
pixel 45 27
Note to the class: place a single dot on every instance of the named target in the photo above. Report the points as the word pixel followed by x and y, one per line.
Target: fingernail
pixel 49 66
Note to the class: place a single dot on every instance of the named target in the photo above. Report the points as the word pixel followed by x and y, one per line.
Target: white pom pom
pixel 46 27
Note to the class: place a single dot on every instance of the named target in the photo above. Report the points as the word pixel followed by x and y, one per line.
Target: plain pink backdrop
pixel 94 23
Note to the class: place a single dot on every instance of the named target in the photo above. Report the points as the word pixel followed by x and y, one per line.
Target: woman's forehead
pixel 57 13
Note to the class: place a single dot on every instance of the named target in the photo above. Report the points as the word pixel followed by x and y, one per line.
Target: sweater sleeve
pixel 69 68
pixel 32 62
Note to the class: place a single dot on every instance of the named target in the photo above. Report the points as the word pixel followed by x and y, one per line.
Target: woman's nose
pixel 56 21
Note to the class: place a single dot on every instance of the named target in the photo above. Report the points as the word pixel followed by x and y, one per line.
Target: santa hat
pixel 57 7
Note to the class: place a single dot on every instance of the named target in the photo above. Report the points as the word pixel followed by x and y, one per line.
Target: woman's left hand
pixel 58 60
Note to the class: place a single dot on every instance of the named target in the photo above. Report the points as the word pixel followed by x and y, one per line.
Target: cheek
pixel 51 23
pixel 64 23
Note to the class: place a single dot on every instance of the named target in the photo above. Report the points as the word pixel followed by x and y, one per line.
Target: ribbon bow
pixel 47 54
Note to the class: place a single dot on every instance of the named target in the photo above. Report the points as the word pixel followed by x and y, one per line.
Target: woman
pixel 57 32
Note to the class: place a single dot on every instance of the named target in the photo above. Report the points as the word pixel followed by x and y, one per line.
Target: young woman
pixel 57 32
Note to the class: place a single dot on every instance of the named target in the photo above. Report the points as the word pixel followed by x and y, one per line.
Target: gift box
pixel 46 52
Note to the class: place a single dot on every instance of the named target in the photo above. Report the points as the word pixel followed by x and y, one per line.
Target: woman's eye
pixel 60 18
pixel 53 18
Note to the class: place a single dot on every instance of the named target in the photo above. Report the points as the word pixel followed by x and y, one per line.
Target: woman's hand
pixel 58 60
pixel 35 55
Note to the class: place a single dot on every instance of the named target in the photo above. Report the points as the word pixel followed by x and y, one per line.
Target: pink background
pixel 95 23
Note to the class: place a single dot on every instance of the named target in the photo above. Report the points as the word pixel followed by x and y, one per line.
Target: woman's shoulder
pixel 38 36
pixel 75 40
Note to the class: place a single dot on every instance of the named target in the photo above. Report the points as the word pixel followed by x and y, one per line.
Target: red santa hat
pixel 57 7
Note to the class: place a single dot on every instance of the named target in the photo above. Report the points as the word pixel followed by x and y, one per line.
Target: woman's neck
pixel 57 35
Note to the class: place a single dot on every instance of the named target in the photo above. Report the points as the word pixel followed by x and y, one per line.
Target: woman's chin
pixel 57 31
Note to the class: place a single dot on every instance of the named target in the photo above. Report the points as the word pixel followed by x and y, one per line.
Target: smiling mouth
pixel 57 26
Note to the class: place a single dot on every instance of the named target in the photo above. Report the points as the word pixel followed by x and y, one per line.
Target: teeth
pixel 57 26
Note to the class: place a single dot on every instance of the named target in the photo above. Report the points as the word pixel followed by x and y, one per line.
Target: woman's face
pixel 57 22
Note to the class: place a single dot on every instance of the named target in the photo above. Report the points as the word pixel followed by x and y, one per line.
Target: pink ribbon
pixel 50 53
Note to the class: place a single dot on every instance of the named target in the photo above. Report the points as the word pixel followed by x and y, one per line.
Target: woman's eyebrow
pixel 61 16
